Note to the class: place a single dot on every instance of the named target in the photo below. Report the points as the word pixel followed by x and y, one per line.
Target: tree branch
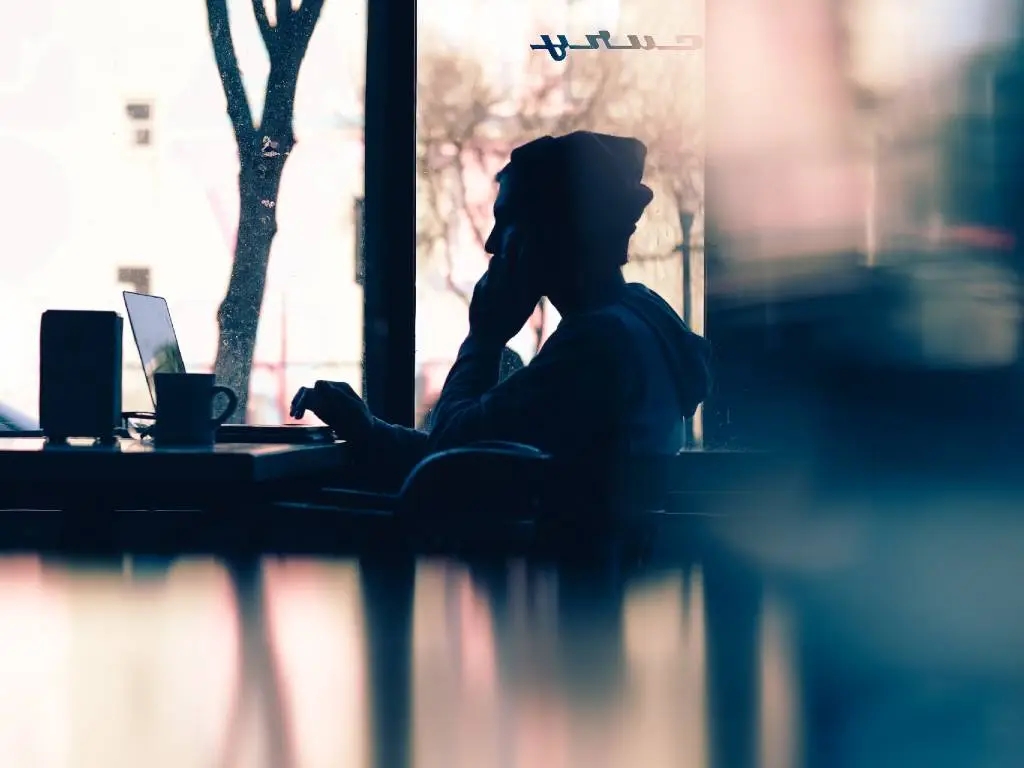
pixel 583 112
pixel 283 12
pixel 230 76
pixel 654 258
pixel 309 12
pixel 449 278
pixel 464 206
pixel 450 222
pixel 291 39
pixel 266 31
pixel 302 22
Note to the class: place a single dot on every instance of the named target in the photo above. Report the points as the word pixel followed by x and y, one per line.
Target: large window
pixel 482 91
pixel 123 173
pixel 120 126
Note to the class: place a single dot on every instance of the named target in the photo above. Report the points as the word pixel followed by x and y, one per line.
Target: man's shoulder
pixel 595 338
pixel 605 323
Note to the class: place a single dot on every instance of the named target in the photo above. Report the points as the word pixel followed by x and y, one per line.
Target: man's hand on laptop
pixel 338 406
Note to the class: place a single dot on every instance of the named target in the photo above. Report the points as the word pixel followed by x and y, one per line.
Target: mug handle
pixel 229 408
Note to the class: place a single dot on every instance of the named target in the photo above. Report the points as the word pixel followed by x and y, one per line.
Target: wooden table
pixel 31 462
pixel 67 497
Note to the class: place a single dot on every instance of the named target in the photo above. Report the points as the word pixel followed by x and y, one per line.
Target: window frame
pixel 389 144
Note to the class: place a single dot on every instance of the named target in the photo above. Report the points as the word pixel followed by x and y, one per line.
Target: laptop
pixel 150 320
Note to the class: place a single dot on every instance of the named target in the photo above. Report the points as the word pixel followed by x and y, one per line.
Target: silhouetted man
pixel 621 372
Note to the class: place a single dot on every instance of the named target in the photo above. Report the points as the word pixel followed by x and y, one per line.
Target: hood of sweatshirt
pixel 687 355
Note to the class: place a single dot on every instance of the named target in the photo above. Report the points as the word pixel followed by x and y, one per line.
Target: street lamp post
pixel 686 224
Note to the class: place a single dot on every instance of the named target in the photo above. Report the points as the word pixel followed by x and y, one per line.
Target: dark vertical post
pixel 732 605
pixel 360 244
pixel 716 405
pixel 388 587
pixel 389 136
pixel 686 224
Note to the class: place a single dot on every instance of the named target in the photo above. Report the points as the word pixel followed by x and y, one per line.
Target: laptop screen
pixel 150 319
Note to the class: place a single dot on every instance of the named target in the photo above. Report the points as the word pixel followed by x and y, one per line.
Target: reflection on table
pixel 116 666
pixel 844 640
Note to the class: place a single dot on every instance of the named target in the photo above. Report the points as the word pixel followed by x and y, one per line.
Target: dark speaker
pixel 80 374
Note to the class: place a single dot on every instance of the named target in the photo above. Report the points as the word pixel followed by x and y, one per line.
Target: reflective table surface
pixel 855 634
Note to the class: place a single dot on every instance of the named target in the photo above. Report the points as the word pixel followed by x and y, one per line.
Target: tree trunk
pixel 259 181
pixel 541 321
pixel 262 153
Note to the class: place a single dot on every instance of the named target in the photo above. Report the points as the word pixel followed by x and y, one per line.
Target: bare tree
pixel 671 124
pixel 456 106
pixel 263 150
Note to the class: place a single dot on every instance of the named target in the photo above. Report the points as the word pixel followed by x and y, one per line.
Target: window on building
pixel 140 117
pixel 136 277
pixel 139 110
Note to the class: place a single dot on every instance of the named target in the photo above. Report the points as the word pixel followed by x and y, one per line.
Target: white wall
pixel 79 200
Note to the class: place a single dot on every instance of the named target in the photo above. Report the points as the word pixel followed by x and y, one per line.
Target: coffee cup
pixel 184 403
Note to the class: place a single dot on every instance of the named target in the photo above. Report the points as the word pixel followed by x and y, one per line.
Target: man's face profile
pixel 507 214
pixel 524 204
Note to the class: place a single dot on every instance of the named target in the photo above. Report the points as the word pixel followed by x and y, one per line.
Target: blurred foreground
pixel 880 630
pixel 864 245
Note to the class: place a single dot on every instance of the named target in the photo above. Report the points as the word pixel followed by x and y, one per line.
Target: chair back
pixel 483 482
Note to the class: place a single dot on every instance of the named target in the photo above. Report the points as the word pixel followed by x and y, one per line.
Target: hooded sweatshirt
pixel 618 381
pixel 621 378
pixel 669 376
